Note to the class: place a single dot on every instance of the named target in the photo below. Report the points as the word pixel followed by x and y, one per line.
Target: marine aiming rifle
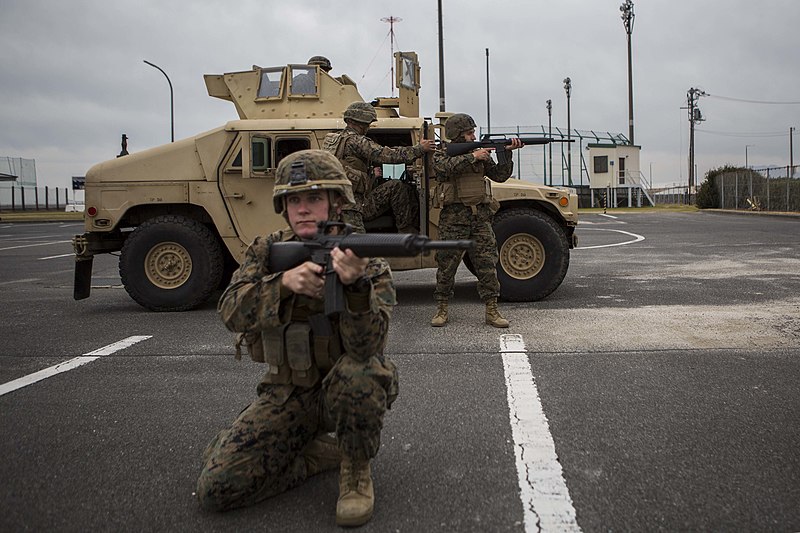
pixel 498 144
pixel 286 255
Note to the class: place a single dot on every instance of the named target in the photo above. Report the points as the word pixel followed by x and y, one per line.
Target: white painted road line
pixel 57 256
pixel 636 238
pixel 547 505
pixel 31 245
pixel 24 381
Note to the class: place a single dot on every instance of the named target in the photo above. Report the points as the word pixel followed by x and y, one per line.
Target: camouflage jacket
pixel 449 168
pixel 362 153
pixel 254 301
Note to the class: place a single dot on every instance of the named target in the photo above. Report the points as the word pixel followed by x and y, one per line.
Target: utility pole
pixel 568 89
pixel 693 95
pixel 391 20
pixel 627 20
pixel 441 61
pixel 791 153
pixel 550 134
pixel 488 109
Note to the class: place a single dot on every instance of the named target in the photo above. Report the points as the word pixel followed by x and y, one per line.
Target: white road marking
pixel 56 256
pixel 546 503
pixel 27 280
pixel 30 245
pixel 636 238
pixel 607 215
pixel 24 381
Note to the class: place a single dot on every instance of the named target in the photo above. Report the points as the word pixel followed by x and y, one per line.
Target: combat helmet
pixel 309 170
pixel 323 62
pixel 361 112
pixel 457 125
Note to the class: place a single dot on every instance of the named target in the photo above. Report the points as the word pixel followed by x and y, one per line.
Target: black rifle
pixel 499 144
pixel 286 255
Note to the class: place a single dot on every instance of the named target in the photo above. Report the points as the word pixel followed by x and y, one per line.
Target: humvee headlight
pixel 92 211
pixel 563 201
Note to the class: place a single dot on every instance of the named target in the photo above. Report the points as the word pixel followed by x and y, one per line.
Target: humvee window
pixel 260 148
pixel 284 147
pixel 304 81
pixel 270 86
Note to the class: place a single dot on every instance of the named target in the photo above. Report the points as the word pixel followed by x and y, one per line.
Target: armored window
pixel 260 149
pixel 284 147
pixel 408 74
pixel 304 81
pixel 600 164
pixel 270 86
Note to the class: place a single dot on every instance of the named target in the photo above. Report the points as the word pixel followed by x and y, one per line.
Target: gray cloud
pixel 72 78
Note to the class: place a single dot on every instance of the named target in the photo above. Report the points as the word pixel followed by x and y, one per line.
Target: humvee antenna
pixel 391 20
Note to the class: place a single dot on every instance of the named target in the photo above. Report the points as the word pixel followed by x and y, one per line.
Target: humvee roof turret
pixel 182 214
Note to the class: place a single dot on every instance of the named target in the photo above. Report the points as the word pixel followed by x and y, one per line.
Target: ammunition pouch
pixel 472 189
pixel 297 353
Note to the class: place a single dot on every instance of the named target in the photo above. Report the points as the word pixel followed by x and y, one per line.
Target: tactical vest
pixel 355 169
pixel 301 351
pixel 469 188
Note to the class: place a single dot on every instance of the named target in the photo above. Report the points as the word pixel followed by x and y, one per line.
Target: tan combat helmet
pixel 457 125
pixel 310 170
pixel 360 112
pixel 323 62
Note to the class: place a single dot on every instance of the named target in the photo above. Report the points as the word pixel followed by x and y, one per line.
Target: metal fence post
pixel 22 197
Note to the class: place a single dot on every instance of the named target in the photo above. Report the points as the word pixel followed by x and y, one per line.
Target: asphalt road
pixel 663 374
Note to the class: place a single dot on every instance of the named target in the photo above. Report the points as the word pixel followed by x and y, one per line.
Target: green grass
pixel 38 216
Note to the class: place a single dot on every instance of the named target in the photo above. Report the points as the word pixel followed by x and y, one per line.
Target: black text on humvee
pixel 183 214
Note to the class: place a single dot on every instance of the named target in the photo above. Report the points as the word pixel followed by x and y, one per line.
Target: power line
pixel 744 133
pixel 751 101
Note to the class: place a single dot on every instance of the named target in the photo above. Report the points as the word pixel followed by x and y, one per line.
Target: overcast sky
pixel 72 77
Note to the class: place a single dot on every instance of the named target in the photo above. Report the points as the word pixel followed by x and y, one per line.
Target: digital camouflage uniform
pixel 460 221
pixel 358 153
pixel 262 453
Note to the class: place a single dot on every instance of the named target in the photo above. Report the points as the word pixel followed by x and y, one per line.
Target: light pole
pixel 171 100
pixel 550 134
pixel 488 108
pixel 746 146
pixel 568 89
pixel 627 20
pixel 441 61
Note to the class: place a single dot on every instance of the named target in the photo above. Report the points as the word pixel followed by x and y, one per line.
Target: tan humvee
pixel 183 214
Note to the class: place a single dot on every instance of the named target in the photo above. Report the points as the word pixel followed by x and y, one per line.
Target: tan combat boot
pixel 356 496
pixel 322 454
pixel 493 316
pixel 440 318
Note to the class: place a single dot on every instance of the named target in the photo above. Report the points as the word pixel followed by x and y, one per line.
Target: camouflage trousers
pixel 392 196
pixel 395 197
pixel 457 221
pixel 260 455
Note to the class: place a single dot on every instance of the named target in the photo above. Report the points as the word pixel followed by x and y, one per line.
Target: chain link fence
pixel 766 189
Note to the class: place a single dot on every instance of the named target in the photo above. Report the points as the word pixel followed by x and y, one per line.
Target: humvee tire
pixel 534 254
pixel 171 263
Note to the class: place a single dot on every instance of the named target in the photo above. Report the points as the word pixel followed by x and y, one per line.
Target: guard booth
pixel 615 179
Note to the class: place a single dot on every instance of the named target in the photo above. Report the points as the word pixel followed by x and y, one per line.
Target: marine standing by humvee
pixel 183 214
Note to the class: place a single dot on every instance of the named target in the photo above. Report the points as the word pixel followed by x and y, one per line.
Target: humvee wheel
pixel 171 263
pixel 533 254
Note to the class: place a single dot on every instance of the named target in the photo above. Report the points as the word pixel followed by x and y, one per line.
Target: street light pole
pixel 568 89
pixel 746 146
pixel 441 61
pixel 488 107
pixel 627 20
pixel 171 100
pixel 550 134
